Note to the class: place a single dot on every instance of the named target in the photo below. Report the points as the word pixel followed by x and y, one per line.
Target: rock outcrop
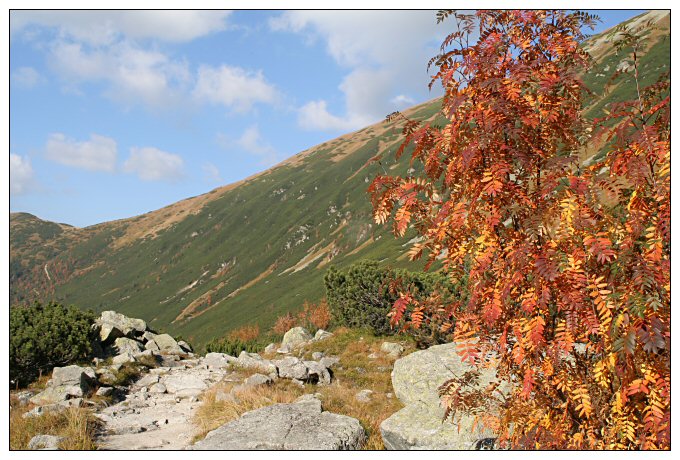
pixel 419 425
pixel 70 382
pixel 302 425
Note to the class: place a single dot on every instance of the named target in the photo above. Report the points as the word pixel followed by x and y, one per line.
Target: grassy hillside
pixel 251 251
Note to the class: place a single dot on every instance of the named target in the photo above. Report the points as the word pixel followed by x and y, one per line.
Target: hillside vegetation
pixel 219 261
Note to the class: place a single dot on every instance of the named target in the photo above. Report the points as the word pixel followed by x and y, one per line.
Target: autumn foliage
pixel 567 259
pixel 246 333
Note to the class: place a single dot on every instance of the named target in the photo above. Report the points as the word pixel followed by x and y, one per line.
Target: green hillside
pixel 249 252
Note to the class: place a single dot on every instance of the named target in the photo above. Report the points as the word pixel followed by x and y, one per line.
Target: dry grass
pixel 358 373
pixel 76 425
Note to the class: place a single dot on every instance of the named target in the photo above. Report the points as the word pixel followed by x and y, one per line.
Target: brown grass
pixel 76 425
pixel 245 333
pixel 358 373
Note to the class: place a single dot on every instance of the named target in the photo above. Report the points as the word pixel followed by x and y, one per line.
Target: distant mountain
pixel 251 251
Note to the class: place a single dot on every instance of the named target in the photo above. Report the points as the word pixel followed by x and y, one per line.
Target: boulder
pixel 184 385
pixel 296 337
pixel 185 346
pixel 321 335
pixel 254 361
pixel 394 350
pixel 108 333
pixel 148 380
pixel 45 442
pixel 74 375
pixel 256 380
pixel 53 395
pixel 329 361
pixel 123 358
pixel 104 391
pixel 284 350
pixel 151 345
pixel 158 388
pixel 218 360
pixel 129 327
pixel 125 345
pixel 292 368
pixel 317 373
pixel 317 355
pixel 301 425
pixel 419 425
pixel 167 344
pixel 271 348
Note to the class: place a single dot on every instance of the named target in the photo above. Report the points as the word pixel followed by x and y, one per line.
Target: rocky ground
pixel 146 390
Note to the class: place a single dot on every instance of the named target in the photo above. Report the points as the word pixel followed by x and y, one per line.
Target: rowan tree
pixel 567 261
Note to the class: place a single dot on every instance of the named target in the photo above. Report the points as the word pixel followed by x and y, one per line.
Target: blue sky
pixel 113 114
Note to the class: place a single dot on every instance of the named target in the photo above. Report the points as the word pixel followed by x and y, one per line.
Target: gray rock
pixel 104 391
pixel 158 388
pixel 318 373
pixel 364 396
pixel 168 345
pixel 271 348
pixel 148 335
pixel 373 356
pixel 392 349
pixel 218 360
pixel 184 385
pixel 106 376
pixel 329 361
pixel 45 442
pixel 125 345
pixel 254 361
pixel 108 333
pixel 317 355
pixel 296 337
pixel 123 358
pixel 257 380
pixel 185 346
pixel 24 397
pixel 298 426
pixel 53 408
pixel 321 335
pixel 292 368
pixel 52 395
pixel 129 327
pixel 148 380
pixel 284 350
pixel 419 425
pixel 152 345
pixel 73 375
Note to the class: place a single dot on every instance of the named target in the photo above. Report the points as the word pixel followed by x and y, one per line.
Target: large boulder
pixel 292 368
pixel 184 385
pixel 45 442
pixel 301 425
pixel 113 325
pixel 218 360
pixel 66 383
pixel 296 337
pixel 168 345
pixel 419 425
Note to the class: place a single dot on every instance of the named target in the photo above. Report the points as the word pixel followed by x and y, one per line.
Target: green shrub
pixel 363 294
pixel 233 346
pixel 45 336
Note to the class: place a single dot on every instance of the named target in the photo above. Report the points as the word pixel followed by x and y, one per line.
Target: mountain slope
pixel 251 251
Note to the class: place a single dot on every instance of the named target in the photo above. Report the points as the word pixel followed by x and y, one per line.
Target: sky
pixel 117 113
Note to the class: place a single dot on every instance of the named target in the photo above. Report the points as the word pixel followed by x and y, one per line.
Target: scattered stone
pixel 255 361
pixel 218 360
pixel 158 388
pixel 296 337
pixel 364 396
pixel 45 442
pixel 148 380
pixel 284 350
pixel 394 350
pixel 271 348
pixel 317 355
pixel 123 358
pixel 24 397
pixel 389 395
pixel 419 425
pixel 373 356
pixel 322 335
pixel 301 426
pixel 125 345
pixel 104 391
pixel 257 380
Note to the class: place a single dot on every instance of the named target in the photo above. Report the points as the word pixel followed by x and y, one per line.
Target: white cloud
pixel 211 173
pixel 20 174
pixel 385 61
pixel 233 87
pixel 97 154
pixel 251 142
pixel 402 100
pixel 26 77
pixel 134 75
pixel 105 27
pixel 152 164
